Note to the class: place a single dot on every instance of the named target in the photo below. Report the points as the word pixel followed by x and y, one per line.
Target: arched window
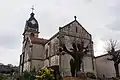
pixel 32 35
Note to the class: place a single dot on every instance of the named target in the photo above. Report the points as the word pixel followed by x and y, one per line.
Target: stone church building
pixel 39 53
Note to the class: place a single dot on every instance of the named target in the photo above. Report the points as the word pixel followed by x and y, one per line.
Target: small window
pixel 76 30
pixel 46 53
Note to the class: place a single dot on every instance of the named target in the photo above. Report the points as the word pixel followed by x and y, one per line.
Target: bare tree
pixel 77 51
pixel 114 53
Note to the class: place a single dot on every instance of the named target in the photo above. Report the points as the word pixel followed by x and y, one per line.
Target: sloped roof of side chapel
pixel 75 21
pixel 36 40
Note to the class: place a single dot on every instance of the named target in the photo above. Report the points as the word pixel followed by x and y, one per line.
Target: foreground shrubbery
pixel 44 74
pixel 2 77
pixel 47 74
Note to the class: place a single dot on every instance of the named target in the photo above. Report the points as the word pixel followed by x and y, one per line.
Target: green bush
pixel 2 77
pixel 46 74
pixel 28 75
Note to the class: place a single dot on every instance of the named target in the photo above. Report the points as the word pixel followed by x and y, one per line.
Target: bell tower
pixel 31 27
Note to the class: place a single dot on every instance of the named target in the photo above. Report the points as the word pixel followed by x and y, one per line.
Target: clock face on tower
pixel 33 22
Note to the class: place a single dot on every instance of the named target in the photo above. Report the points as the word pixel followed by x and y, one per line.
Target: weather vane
pixel 32 8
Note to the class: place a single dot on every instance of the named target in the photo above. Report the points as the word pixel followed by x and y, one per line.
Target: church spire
pixel 32 8
pixel 32 14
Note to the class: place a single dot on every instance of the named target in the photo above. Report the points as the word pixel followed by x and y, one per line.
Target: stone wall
pixel 38 51
pixel 37 64
pixel 105 67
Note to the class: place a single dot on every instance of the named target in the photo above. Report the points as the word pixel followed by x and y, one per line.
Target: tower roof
pixel 32 22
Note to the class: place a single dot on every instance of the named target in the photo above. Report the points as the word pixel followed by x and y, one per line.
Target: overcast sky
pixel 101 18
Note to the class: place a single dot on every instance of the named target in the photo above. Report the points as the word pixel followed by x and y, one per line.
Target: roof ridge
pixel 101 55
pixel 68 23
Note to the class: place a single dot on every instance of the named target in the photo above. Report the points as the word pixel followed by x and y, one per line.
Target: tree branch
pixel 65 49
pixel 80 47
pixel 74 46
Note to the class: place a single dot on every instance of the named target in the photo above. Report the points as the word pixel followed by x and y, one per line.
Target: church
pixel 39 53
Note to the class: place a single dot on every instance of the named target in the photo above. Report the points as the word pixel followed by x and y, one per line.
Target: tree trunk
pixel 116 65
pixel 72 66
pixel 78 65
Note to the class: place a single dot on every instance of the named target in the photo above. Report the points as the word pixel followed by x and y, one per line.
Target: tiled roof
pixel 36 40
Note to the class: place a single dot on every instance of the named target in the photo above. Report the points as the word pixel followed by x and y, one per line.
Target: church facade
pixel 39 53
